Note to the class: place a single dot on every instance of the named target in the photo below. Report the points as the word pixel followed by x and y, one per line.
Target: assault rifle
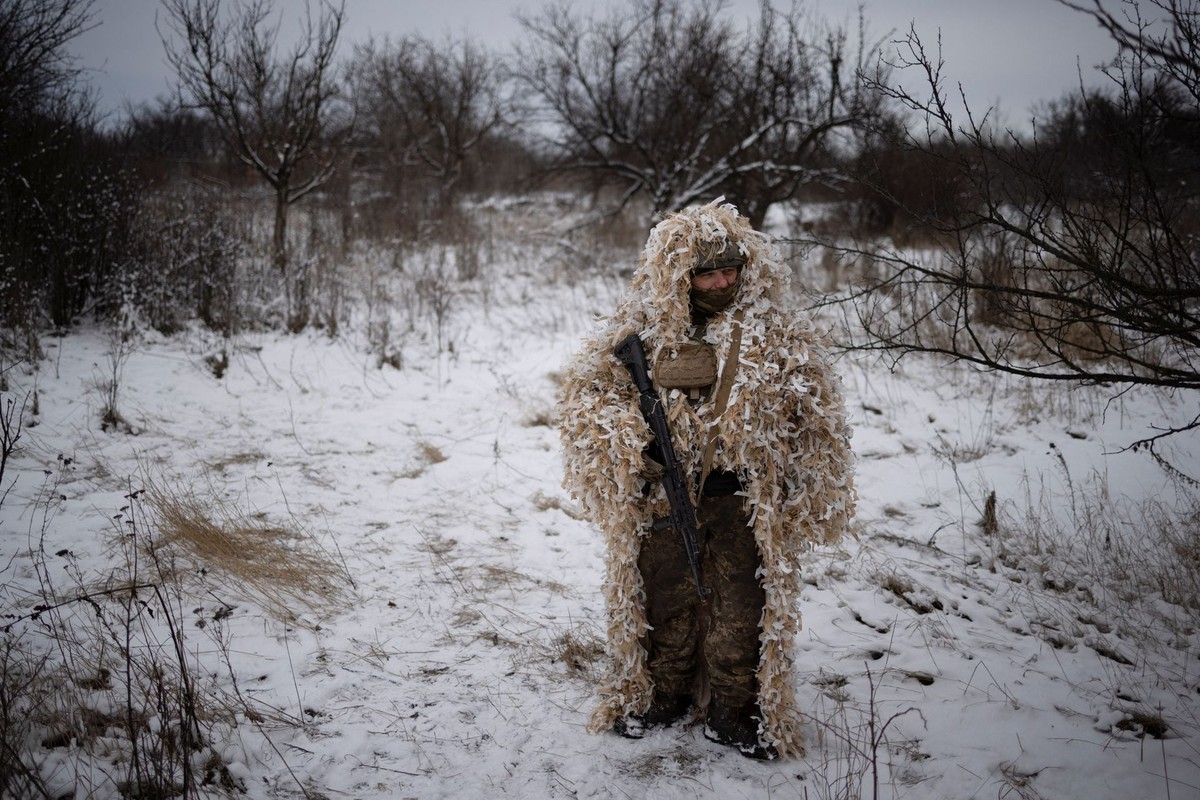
pixel 632 354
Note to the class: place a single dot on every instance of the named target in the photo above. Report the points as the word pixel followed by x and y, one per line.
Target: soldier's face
pixel 715 279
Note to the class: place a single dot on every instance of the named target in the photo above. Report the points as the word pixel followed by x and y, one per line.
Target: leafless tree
pixel 671 101
pixel 1170 43
pixel 428 106
pixel 280 112
pixel 35 68
pixel 1072 254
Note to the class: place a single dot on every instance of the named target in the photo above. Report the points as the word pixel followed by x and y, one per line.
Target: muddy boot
pixel 738 727
pixel 665 710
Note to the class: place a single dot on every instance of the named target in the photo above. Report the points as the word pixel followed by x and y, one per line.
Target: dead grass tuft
pixel 989 523
pixel 427 455
pixel 918 598
pixel 237 460
pixel 281 568
pixel 540 418
pixel 431 454
pixel 579 652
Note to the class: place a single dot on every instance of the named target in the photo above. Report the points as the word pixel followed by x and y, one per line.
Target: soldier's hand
pixel 652 469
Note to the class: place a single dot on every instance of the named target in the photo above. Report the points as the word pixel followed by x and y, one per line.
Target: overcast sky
pixel 1014 53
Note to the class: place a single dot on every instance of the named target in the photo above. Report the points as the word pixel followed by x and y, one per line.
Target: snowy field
pixel 1049 655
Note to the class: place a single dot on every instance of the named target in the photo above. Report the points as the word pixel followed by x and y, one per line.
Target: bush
pixel 183 260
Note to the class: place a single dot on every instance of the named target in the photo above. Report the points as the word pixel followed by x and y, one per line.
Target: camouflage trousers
pixel 715 640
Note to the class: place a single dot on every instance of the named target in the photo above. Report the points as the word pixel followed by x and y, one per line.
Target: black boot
pixel 737 727
pixel 665 710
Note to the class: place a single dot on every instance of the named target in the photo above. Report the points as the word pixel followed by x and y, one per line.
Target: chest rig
pixel 691 368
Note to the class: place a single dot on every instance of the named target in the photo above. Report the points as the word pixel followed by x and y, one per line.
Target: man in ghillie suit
pixel 771 452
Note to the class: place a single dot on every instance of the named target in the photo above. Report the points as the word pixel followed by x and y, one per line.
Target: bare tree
pixel 670 101
pixel 1171 50
pixel 1068 255
pixel 428 106
pixel 280 112
pixel 35 68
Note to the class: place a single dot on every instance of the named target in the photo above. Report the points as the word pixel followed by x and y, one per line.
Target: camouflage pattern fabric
pixel 719 638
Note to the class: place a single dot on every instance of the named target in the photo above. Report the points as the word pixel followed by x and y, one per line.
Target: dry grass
pixel 280 568
pixel 580 651
pixel 1117 575
pixel 427 455
pixel 1135 549
pixel 100 694
pixel 483 610
pixel 540 418
pixel 237 460
pixel 430 453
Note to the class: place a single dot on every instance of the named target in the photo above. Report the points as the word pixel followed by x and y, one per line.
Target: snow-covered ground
pixel 937 660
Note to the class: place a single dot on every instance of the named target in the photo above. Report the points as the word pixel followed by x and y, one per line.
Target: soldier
pixel 758 423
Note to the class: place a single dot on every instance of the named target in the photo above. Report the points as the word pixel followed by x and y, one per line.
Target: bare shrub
pixel 100 694
pixel 434 295
pixel 318 262
pixel 122 341
pixel 860 743
pixel 65 197
pixel 11 417
pixel 998 264
pixel 24 694
pixel 187 245
pixel 370 273
pixel 1086 229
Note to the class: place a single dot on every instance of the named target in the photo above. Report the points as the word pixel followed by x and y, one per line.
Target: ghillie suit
pixel 783 431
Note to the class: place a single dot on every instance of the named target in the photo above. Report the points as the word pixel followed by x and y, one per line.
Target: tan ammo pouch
pixel 694 366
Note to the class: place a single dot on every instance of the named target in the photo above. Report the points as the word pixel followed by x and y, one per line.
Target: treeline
pixel 645 107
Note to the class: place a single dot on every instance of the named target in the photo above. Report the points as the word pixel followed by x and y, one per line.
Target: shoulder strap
pixel 722 399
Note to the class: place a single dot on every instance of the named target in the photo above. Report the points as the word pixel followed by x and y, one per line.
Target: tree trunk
pixel 279 238
pixel 295 287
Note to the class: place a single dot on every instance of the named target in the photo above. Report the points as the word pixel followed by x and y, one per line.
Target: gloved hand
pixel 652 464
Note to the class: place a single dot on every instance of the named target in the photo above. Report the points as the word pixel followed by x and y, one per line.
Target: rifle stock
pixel 632 353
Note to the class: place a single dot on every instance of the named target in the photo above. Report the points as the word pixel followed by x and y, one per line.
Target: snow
pixel 936 661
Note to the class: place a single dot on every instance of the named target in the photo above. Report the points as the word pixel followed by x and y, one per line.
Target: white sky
pixel 1012 54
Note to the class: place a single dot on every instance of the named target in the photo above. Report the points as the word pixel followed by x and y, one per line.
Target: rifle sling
pixel 726 385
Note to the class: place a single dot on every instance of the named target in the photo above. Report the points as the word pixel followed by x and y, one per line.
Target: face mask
pixel 710 301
